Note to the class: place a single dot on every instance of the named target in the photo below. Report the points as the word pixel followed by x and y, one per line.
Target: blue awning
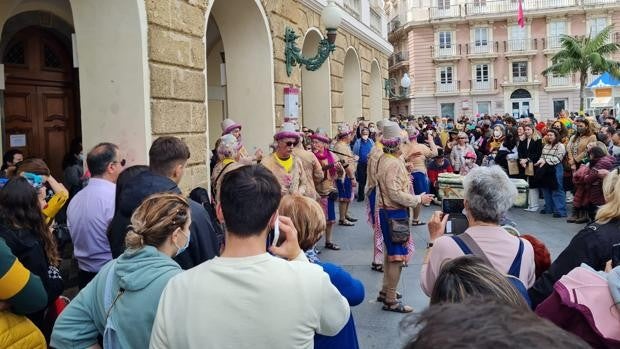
pixel 605 80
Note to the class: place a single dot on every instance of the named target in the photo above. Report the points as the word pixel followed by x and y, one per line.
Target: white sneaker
pixel 531 209
pixel 569 197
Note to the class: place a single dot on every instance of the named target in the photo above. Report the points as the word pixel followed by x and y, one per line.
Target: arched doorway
pixel 245 83
pixel 352 93
pixel 520 101
pixel 315 87
pixel 39 100
pixel 376 91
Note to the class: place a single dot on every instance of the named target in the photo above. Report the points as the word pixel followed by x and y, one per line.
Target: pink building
pixel 470 56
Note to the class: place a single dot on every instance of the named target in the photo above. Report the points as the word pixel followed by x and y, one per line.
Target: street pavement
pixel 380 329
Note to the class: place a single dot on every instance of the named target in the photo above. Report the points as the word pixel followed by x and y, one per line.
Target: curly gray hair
pixel 489 193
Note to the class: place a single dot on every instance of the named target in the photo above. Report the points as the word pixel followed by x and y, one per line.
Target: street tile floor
pixel 380 329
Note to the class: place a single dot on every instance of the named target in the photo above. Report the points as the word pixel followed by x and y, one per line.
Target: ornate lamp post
pixel 405 83
pixel 331 17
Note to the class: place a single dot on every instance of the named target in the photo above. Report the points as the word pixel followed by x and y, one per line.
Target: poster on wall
pixel 291 103
pixel 17 141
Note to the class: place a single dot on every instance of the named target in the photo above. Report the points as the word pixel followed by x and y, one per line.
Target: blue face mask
pixel 449 126
pixel 184 247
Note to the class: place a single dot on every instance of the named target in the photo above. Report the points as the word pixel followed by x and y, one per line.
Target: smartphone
pixel 615 255
pixel 274 235
pixel 457 223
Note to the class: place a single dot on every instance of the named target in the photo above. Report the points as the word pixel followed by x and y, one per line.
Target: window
pixel 559 105
pixel 443 4
pixel 480 2
pixel 445 75
pixel 556 29
pixel 447 110
pixel 484 107
pixel 519 71
pixel 445 39
pixel 481 36
pixel 517 33
pixel 482 72
pixel 15 54
pixel 596 25
pixel 518 39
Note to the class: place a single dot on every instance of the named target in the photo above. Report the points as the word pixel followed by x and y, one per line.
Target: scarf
pixel 312 256
pixel 327 155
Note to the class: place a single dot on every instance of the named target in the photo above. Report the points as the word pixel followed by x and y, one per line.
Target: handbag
pixel 398 228
pixel 513 167
pixel 529 169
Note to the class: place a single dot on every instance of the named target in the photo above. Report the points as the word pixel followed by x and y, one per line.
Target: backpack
pixel 513 272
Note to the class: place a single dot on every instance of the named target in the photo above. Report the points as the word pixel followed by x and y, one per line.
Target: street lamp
pixel 405 83
pixel 331 17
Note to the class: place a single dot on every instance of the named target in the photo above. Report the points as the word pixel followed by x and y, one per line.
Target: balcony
pixel 497 7
pixel 447 88
pixel 482 86
pixel 599 2
pixel 399 59
pixel 519 79
pixel 553 43
pixel 444 12
pixel 561 82
pixel 446 53
pixel 520 47
pixel 481 49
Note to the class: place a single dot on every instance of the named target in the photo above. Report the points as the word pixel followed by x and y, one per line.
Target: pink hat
pixel 321 136
pixel 287 131
pixel 470 155
pixel 228 125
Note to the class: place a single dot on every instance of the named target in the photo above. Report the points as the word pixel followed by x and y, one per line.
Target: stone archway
pixel 352 94
pixel 248 53
pixel 315 86
pixel 376 92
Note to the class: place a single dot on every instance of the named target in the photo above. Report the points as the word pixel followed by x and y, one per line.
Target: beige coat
pixel 312 169
pixel 576 148
pixel 293 182
pixel 418 162
pixel 218 174
pixel 394 185
pixel 344 148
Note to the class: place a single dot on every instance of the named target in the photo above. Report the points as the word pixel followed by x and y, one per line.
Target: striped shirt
pixel 553 154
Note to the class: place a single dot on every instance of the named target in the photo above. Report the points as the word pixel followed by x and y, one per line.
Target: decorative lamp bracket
pixel 294 56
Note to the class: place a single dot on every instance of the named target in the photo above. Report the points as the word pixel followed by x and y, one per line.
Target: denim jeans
pixel 555 200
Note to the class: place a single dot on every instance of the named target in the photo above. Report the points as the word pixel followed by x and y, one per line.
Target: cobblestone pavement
pixel 380 329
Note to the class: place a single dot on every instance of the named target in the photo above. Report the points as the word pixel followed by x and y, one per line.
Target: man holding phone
pixel 224 302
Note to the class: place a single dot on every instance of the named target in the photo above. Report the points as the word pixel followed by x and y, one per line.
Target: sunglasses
pixel 292 144
pixel 122 162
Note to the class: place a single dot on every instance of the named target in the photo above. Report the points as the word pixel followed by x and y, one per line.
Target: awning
pixel 605 80
pixel 600 102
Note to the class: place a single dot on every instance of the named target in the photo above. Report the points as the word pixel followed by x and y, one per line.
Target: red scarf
pixel 330 160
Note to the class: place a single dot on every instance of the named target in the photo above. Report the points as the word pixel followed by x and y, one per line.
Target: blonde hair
pixel 307 216
pixel 611 191
pixel 156 219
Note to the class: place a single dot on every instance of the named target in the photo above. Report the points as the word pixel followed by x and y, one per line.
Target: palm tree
pixel 585 54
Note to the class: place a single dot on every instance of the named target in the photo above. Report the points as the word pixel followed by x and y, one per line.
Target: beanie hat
pixel 286 131
pixel 228 125
pixel 320 135
pixel 391 134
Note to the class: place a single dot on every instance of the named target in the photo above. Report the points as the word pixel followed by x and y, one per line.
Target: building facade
pixel 128 71
pixel 470 56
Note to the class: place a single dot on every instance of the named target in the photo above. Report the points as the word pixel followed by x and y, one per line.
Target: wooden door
pixel 39 105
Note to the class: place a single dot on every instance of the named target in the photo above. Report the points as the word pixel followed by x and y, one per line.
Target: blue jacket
pixel 143 274
pixel 362 149
pixel 351 289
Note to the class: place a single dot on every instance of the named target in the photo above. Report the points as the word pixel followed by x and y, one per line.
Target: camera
pixel 457 223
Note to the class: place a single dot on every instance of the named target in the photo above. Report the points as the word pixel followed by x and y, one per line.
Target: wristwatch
pixel 429 244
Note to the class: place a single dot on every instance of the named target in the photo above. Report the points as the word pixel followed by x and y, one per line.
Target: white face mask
pixel 469 161
pixel 364 137
pixel 497 133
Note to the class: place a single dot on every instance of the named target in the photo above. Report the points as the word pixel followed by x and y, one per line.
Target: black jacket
pixel 592 245
pixel 203 244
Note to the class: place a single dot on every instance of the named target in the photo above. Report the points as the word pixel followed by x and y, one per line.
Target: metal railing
pixel 509 6
pixel 447 87
pixel 553 42
pixel 444 12
pixel 481 47
pixel 481 85
pixel 519 45
pixel 600 2
pixel 558 80
pixel 446 52
pixel 398 57
pixel 519 79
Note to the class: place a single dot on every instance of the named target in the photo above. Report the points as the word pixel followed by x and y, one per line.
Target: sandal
pixel 332 246
pixel 345 223
pixel 351 219
pixel 377 267
pixel 417 222
pixel 397 307
pixel 381 297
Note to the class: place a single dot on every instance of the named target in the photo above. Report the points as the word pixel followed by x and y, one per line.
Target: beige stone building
pixel 470 56
pixel 128 71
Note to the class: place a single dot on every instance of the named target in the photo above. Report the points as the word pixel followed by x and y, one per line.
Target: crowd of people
pixel 214 269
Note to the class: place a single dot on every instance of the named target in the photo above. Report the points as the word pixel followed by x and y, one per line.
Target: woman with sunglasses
pixel 462 147
pixel 287 168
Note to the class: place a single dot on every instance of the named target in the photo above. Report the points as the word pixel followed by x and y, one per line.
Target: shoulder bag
pixel 398 228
